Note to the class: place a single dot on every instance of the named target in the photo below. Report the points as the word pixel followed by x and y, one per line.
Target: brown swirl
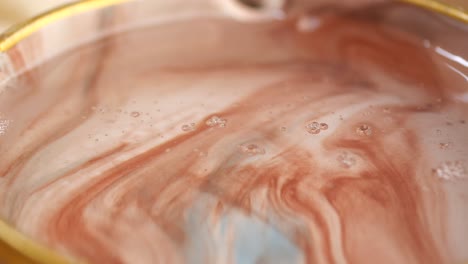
pixel 195 142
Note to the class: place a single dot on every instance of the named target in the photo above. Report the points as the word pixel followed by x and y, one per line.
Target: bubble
pixel 364 130
pixel 323 126
pixel 313 128
pixel 445 145
pixel 386 110
pixel 251 149
pixel 345 160
pixel 4 126
pixel 167 150
pixel 135 114
pixel 216 121
pixel 451 170
pixel 188 127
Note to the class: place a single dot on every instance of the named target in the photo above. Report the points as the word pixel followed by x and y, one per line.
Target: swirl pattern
pixel 211 141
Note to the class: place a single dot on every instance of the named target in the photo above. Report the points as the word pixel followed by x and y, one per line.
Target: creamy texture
pixel 321 139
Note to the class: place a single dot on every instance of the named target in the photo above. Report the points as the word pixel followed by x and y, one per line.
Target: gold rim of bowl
pixel 458 13
pixel 14 246
pixel 22 30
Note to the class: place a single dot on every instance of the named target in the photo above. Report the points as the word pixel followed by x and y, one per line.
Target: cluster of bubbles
pixel 4 123
pixel 451 170
pixel 364 130
pixel 216 121
pixel 316 127
pixel 346 160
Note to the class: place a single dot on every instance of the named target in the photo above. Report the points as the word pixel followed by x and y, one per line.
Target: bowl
pixel 48 36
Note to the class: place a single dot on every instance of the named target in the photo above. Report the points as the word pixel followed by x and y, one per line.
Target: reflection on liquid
pixel 210 141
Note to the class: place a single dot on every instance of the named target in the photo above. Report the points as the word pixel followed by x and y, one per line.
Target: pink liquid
pixel 325 139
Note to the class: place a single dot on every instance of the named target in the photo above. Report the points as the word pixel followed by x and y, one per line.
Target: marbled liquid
pixel 194 142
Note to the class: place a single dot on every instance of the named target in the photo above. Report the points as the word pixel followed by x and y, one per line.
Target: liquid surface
pixel 321 139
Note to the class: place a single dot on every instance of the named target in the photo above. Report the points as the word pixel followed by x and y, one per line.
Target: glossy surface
pixel 341 133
